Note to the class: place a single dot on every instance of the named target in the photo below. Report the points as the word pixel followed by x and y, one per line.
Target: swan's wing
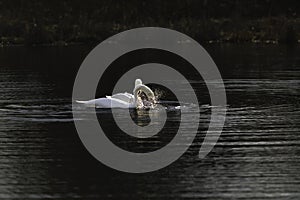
pixel 89 103
pixel 125 94
pixel 126 97
pixel 81 102
pixel 106 103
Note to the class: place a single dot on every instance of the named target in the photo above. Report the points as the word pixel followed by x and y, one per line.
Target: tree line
pixel 63 22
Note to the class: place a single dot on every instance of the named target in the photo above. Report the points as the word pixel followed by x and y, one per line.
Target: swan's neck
pixel 135 97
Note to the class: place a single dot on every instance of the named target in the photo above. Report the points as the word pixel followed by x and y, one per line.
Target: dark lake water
pixel 256 157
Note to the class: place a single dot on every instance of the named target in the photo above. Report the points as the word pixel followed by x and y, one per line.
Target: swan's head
pixel 143 95
pixel 138 82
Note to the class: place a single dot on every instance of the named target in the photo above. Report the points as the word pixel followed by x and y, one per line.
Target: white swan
pixel 142 97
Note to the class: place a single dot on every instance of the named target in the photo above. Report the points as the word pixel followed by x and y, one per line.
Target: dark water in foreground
pixel 257 155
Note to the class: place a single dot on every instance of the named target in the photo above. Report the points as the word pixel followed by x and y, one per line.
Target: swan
pixel 142 97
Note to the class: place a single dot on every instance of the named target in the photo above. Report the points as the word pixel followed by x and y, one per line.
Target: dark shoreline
pixel 60 23
pixel 205 43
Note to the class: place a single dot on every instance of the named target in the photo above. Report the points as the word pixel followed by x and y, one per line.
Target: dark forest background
pixel 64 22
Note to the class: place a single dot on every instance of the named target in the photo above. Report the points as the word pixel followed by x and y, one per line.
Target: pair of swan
pixel 142 97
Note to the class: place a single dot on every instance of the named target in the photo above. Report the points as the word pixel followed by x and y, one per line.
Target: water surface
pixel 257 155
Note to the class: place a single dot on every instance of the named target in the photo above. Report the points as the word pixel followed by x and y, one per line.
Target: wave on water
pixel 64 112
